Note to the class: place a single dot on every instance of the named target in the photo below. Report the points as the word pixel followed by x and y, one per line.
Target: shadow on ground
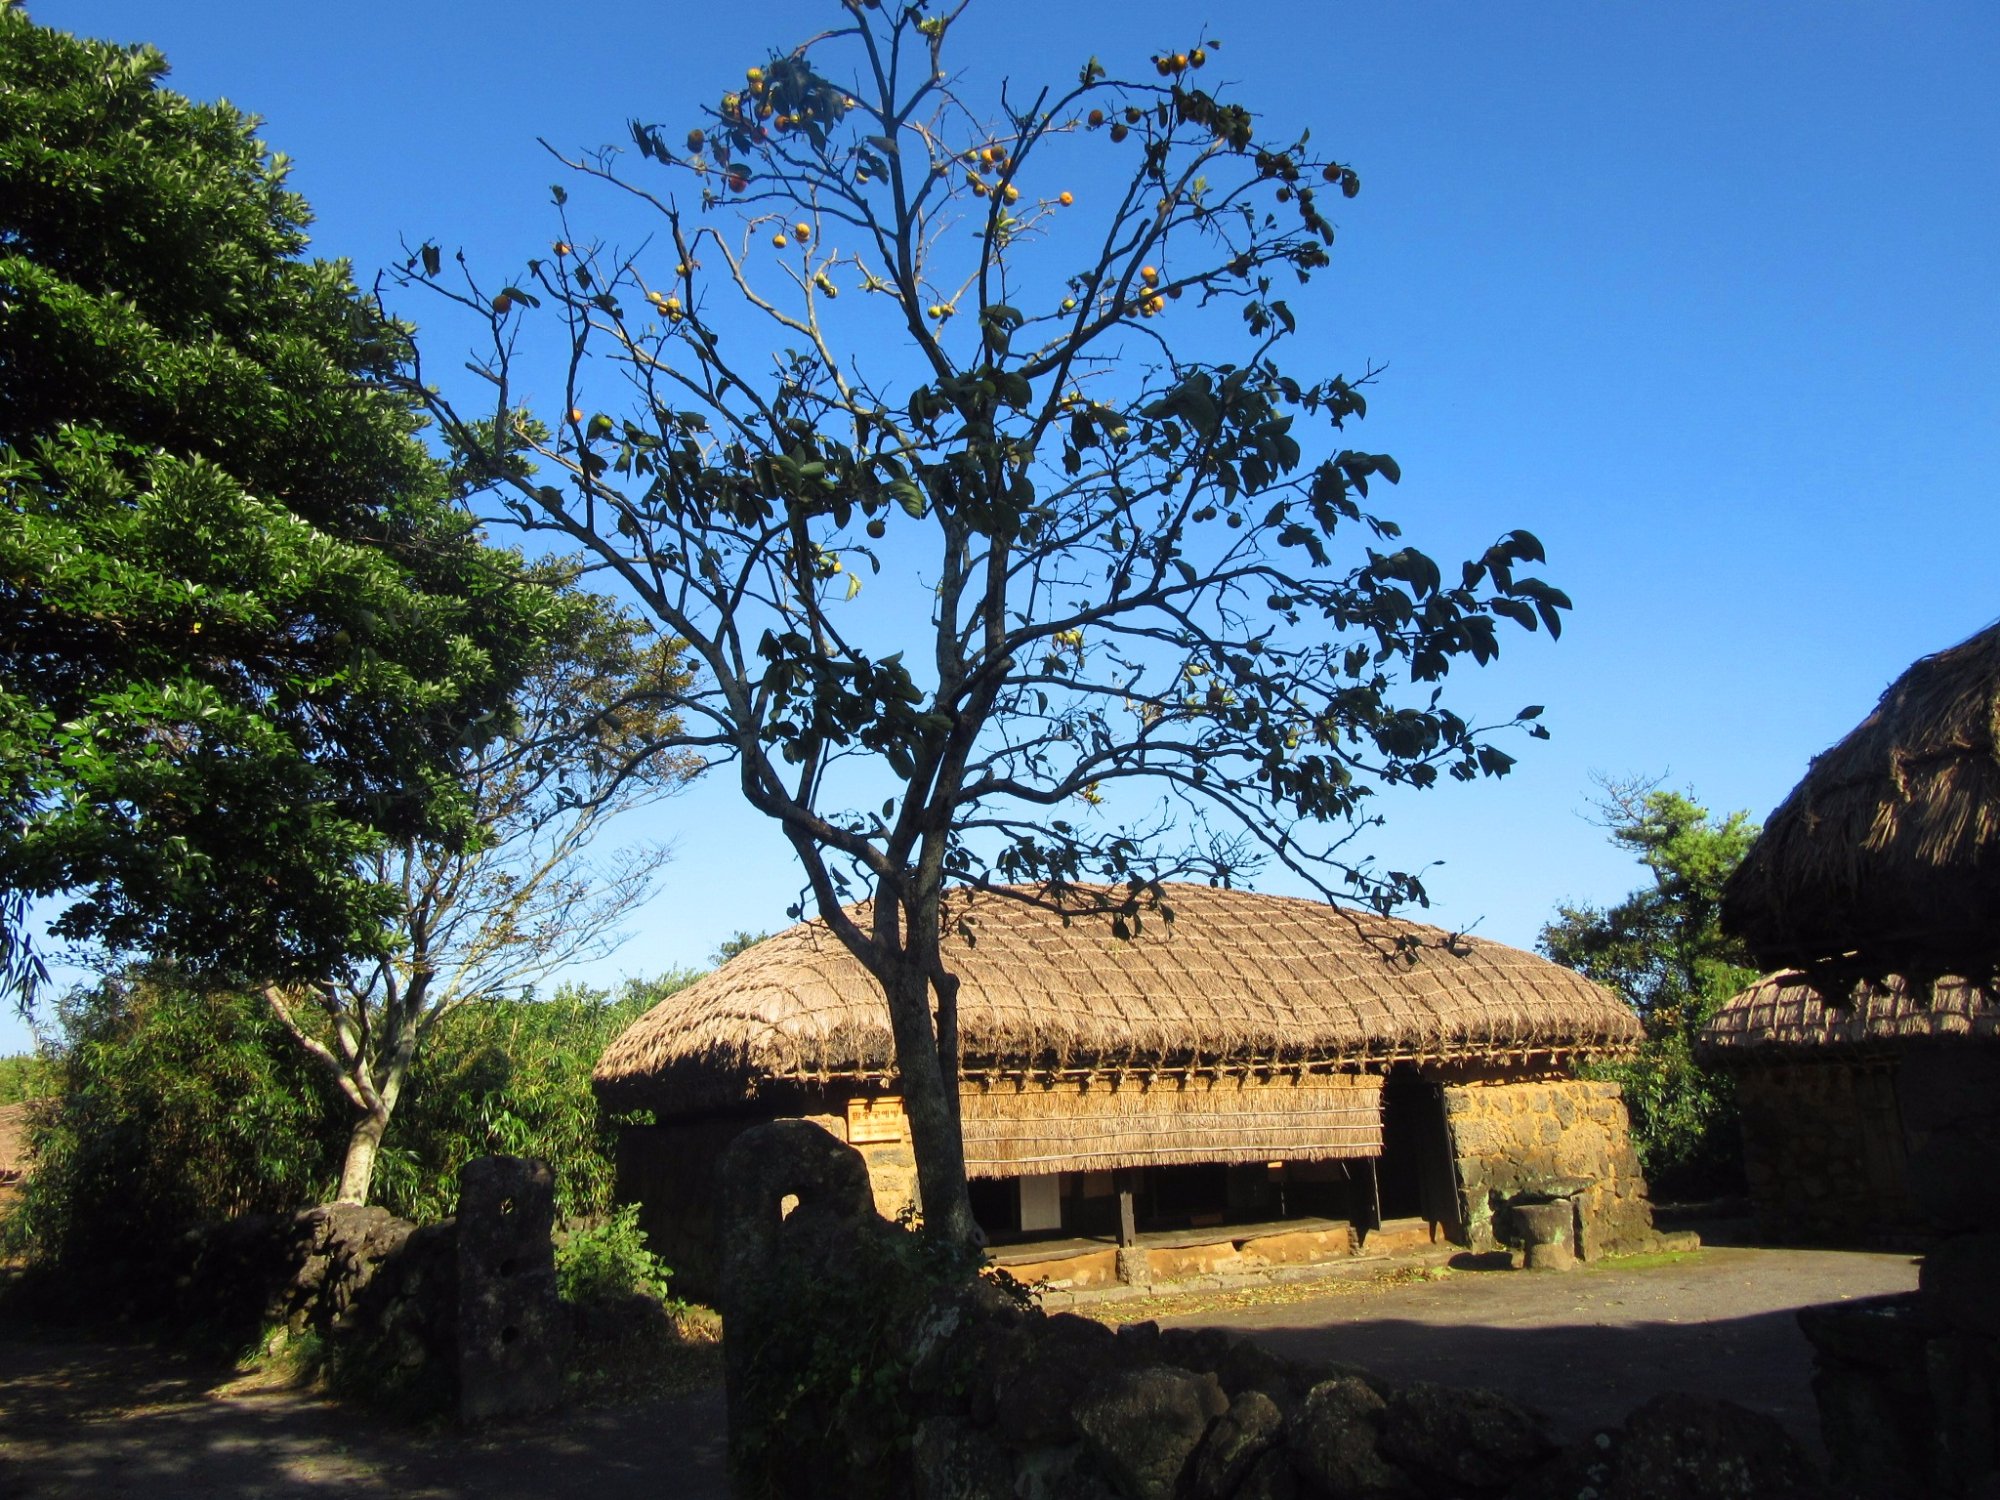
pixel 91 1419
pixel 1584 1377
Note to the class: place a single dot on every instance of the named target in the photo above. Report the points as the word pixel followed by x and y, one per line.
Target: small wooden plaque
pixel 875 1121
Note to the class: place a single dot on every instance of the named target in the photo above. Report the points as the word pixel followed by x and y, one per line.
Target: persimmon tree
pixel 1023 557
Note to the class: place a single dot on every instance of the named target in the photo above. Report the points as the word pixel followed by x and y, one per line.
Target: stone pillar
pixel 1548 1233
pixel 511 1331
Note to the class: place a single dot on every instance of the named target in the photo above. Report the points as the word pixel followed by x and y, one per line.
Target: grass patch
pixel 1647 1260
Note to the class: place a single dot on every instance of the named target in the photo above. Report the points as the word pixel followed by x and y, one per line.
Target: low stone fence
pixel 462 1313
pixel 864 1363
pixel 1909 1386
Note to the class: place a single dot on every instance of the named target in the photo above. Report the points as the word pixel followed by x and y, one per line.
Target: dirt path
pixel 95 1419
pixel 1586 1347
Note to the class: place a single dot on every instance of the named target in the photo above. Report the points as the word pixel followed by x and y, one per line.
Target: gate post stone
pixel 511 1332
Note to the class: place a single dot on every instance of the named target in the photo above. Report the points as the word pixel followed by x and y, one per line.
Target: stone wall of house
pixel 671 1172
pixel 1875 1151
pixel 1949 1098
pixel 1823 1150
pixel 1547 1138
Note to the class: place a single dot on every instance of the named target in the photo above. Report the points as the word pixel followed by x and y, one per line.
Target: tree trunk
pixel 357 1171
pixel 928 1101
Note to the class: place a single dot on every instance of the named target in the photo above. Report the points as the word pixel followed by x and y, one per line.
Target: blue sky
pixel 1705 295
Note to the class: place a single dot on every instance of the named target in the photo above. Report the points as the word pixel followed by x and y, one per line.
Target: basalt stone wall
pixel 378 1292
pixel 1949 1096
pixel 1824 1152
pixel 860 1365
pixel 1548 1139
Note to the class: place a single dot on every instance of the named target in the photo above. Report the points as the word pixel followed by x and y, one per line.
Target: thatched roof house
pixel 1865 1123
pixel 1783 1015
pixel 1229 981
pixel 13 1144
pixel 1225 1030
pixel 1885 859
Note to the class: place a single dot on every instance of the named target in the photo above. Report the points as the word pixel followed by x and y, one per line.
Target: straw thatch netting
pixel 1018 1127
pixel 1885 859
pixel 1232 980
pixel 1783 1013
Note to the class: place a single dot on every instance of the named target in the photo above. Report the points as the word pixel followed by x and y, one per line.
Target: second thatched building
pixel 1237 1081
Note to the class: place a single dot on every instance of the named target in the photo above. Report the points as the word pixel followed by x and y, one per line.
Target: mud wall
pixel 673 1173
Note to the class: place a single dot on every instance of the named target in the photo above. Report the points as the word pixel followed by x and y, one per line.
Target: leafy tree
pixel 1135 617
pixel 1662 948
pixel 741 941
pixel 243 629
pixel 24 1075
pixel 171 1104
pixel 516 898
pixel 513 1076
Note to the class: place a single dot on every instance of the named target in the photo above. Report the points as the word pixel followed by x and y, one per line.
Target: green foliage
pixel 511 1076
pixel 242 626
pixel 1662 948
pixel 610 1260
pixel 742 941
pixel 24 1076
pixel 516 899
pixel 169 1107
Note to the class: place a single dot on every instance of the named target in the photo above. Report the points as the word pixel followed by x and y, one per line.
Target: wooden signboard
pixel 876 1121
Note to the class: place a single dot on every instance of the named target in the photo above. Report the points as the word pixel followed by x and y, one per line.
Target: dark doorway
pixel 1415 1174
pixel 996 1206
pixel 1183 1197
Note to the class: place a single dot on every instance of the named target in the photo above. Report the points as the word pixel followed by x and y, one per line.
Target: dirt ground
pixel 96 1419
pixel 99 1419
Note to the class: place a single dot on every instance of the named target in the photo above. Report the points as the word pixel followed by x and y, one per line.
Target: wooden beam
pixel 1128 1229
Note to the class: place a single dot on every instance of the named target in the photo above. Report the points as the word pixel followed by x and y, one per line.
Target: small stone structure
pixel 512 1334
pixel 855 1371
pixel 379 1293
pixel 461 1314
pixel 1877 1124
pixel 1562 1141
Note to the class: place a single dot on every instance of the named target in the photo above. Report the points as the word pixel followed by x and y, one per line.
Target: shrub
pixel 23 1076
pixel 168 1107
pixel 511 1077
pixel 610 1260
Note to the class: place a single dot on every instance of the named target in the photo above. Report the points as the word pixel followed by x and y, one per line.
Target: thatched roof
pixel 1232 980
pixel 1783 1014
pixel 13 1141
pixel 1885 859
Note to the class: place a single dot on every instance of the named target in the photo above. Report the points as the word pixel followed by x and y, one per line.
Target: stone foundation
pixel 1550 1138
